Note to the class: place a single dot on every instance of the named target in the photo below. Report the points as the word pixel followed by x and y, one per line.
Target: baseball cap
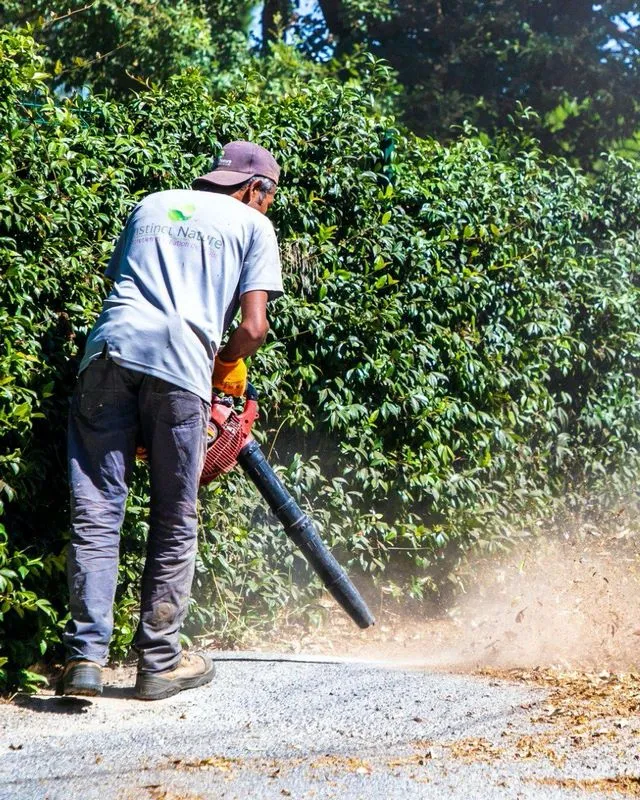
pixel 240 161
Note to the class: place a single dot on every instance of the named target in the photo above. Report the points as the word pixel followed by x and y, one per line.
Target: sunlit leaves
pixel 458 344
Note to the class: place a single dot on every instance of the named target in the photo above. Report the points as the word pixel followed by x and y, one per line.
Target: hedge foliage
pixel 458 345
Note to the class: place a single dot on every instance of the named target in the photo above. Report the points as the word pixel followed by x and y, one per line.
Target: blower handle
pixel 250 392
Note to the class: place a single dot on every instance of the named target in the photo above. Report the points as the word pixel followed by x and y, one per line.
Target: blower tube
pixel 300 529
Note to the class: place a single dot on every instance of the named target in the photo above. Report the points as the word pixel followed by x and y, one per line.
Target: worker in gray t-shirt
pixel 185 263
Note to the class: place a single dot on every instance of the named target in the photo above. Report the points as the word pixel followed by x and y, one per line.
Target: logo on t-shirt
pixel 180 234
pixel 181 214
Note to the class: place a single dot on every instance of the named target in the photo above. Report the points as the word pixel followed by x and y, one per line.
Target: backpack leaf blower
pixel 229 442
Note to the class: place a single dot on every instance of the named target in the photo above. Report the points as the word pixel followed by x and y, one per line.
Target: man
pixel 183 264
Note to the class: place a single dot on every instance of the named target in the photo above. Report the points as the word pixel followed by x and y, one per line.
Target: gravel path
pixel 286 726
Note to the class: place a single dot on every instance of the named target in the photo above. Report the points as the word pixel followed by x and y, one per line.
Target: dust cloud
pixel 568 600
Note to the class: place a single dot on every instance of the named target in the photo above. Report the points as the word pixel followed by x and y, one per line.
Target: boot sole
pixel 82 691
pixel 149 687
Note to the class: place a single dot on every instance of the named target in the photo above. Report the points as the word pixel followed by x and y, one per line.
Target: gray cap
pixel 240 161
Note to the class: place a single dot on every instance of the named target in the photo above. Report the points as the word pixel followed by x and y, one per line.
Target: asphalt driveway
pixel 274 726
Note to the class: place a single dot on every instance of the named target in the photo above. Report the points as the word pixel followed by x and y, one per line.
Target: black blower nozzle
pixel 302 532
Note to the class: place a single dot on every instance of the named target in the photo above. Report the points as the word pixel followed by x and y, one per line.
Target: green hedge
pixel 458 345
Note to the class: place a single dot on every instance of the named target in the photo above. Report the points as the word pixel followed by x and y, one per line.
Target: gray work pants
pixel 112 409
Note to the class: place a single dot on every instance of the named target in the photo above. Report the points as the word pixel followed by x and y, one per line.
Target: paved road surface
pixel 281 726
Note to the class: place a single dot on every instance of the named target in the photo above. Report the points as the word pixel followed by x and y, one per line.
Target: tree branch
pixel 67 15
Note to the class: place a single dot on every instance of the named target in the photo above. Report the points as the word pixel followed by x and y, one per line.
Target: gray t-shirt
pixel 180 266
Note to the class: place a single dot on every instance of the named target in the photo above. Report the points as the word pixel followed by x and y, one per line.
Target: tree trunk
pixel 335 18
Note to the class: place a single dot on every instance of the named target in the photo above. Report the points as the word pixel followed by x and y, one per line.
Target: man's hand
pixel 229 369
pixel 230 377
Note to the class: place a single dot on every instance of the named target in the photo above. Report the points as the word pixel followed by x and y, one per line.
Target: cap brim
pixel 223 177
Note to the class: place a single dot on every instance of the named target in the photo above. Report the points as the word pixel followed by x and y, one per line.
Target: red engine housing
pixel 227 433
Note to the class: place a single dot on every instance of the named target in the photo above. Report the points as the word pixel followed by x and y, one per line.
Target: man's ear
pixel 246 196
pixel 254 188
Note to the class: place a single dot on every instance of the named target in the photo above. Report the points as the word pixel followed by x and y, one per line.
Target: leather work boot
pixel 83 678
pixel 194 669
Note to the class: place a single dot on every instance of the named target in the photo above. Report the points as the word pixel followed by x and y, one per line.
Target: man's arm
pixel 252 330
